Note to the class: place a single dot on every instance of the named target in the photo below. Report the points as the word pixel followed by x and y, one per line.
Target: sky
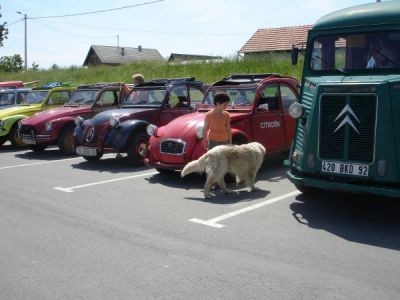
pixel 205 27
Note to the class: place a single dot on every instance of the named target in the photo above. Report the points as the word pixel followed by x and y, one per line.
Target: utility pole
pixel 26 39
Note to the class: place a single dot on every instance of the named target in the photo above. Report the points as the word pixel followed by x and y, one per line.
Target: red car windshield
pixel 238 96
pixel 82 97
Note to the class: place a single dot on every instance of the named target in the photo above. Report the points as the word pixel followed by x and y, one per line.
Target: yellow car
pixel 38 99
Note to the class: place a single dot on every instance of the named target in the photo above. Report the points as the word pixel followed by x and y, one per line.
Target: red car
pixel 56 126
pixel 259 112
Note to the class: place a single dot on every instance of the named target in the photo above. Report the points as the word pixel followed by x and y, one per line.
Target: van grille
pixel 170 146
pixel 344 136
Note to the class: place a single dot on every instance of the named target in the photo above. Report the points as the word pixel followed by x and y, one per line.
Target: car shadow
pixel 370 220
pixel 47 154
pixel 8 148
pixel 110 165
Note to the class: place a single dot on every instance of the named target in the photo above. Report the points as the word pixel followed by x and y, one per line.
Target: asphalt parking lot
pixel 77 230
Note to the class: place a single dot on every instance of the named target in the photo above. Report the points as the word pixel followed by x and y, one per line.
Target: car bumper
pixel 31 139
pixel 165 166
pixel 325 184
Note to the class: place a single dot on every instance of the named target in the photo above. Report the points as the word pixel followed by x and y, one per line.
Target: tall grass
pixel 206 71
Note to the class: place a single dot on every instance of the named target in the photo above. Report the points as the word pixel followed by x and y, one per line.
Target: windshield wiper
pixel 326 63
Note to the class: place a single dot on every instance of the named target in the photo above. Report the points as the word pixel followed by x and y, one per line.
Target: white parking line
pixel 50 162
pixel 73 188
pixel 214 222
pixel 39 163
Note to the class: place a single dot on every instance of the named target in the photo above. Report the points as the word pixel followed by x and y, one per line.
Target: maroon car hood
pixel 60 112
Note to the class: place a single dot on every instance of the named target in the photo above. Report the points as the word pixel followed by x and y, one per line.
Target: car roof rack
pixel 163 81
pixel 235 79
pixel 51 85
pixel 98 85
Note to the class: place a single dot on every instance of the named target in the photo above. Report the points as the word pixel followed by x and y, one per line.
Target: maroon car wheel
pixel 66 141
pixel 3 139
pixel 134 146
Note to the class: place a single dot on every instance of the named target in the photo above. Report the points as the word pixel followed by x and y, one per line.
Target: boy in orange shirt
pixel 217 123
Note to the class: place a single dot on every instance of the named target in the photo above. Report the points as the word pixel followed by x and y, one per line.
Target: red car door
pixel 267 122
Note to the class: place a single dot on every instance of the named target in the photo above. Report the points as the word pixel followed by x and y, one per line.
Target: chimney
pixel 140 48
pixel 122 51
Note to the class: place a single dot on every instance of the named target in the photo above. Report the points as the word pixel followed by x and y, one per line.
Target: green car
pixel 38 99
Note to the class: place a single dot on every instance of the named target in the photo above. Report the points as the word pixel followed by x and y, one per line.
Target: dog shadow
pixel 370 220
pixel 220 197
pixel 196 182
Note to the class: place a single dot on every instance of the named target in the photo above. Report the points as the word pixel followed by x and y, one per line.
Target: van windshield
pixel 356 51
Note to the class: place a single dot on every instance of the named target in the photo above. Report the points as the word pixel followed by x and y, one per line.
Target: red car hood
pixel 186 125
pixel 52 114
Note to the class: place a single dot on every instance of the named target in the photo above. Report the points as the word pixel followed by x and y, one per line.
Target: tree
pixel 35 66
pixel 11 63
pixel 55 67
pixel 3 31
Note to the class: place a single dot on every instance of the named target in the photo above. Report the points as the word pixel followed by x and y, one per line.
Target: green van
pixel 348 128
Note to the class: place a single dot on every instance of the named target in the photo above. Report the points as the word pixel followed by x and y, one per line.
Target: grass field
pixel 207 71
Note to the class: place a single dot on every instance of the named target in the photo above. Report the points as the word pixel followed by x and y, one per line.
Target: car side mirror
pixel 294 54
pixel 263 107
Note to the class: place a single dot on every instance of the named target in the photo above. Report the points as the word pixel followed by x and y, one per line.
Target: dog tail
pixel 195 166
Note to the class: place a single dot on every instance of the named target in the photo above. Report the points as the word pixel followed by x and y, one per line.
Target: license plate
pixel 84 151
pixel 344 168
pixel 29 141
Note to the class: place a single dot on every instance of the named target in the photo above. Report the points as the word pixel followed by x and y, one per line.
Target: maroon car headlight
pixel 151 129
pixel 78 121
pixel 48 126
pixel 114 122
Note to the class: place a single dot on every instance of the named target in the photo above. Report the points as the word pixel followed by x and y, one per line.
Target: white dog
pixel 242 161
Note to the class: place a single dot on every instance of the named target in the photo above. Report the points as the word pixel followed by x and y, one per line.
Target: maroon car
pixel 123 130
pixel 56 126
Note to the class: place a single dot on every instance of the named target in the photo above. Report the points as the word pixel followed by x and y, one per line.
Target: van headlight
pixel 151 129
pixel 48 126
pixel 114 122
pixel 295 110
pixel 199 131
pixel 78 121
